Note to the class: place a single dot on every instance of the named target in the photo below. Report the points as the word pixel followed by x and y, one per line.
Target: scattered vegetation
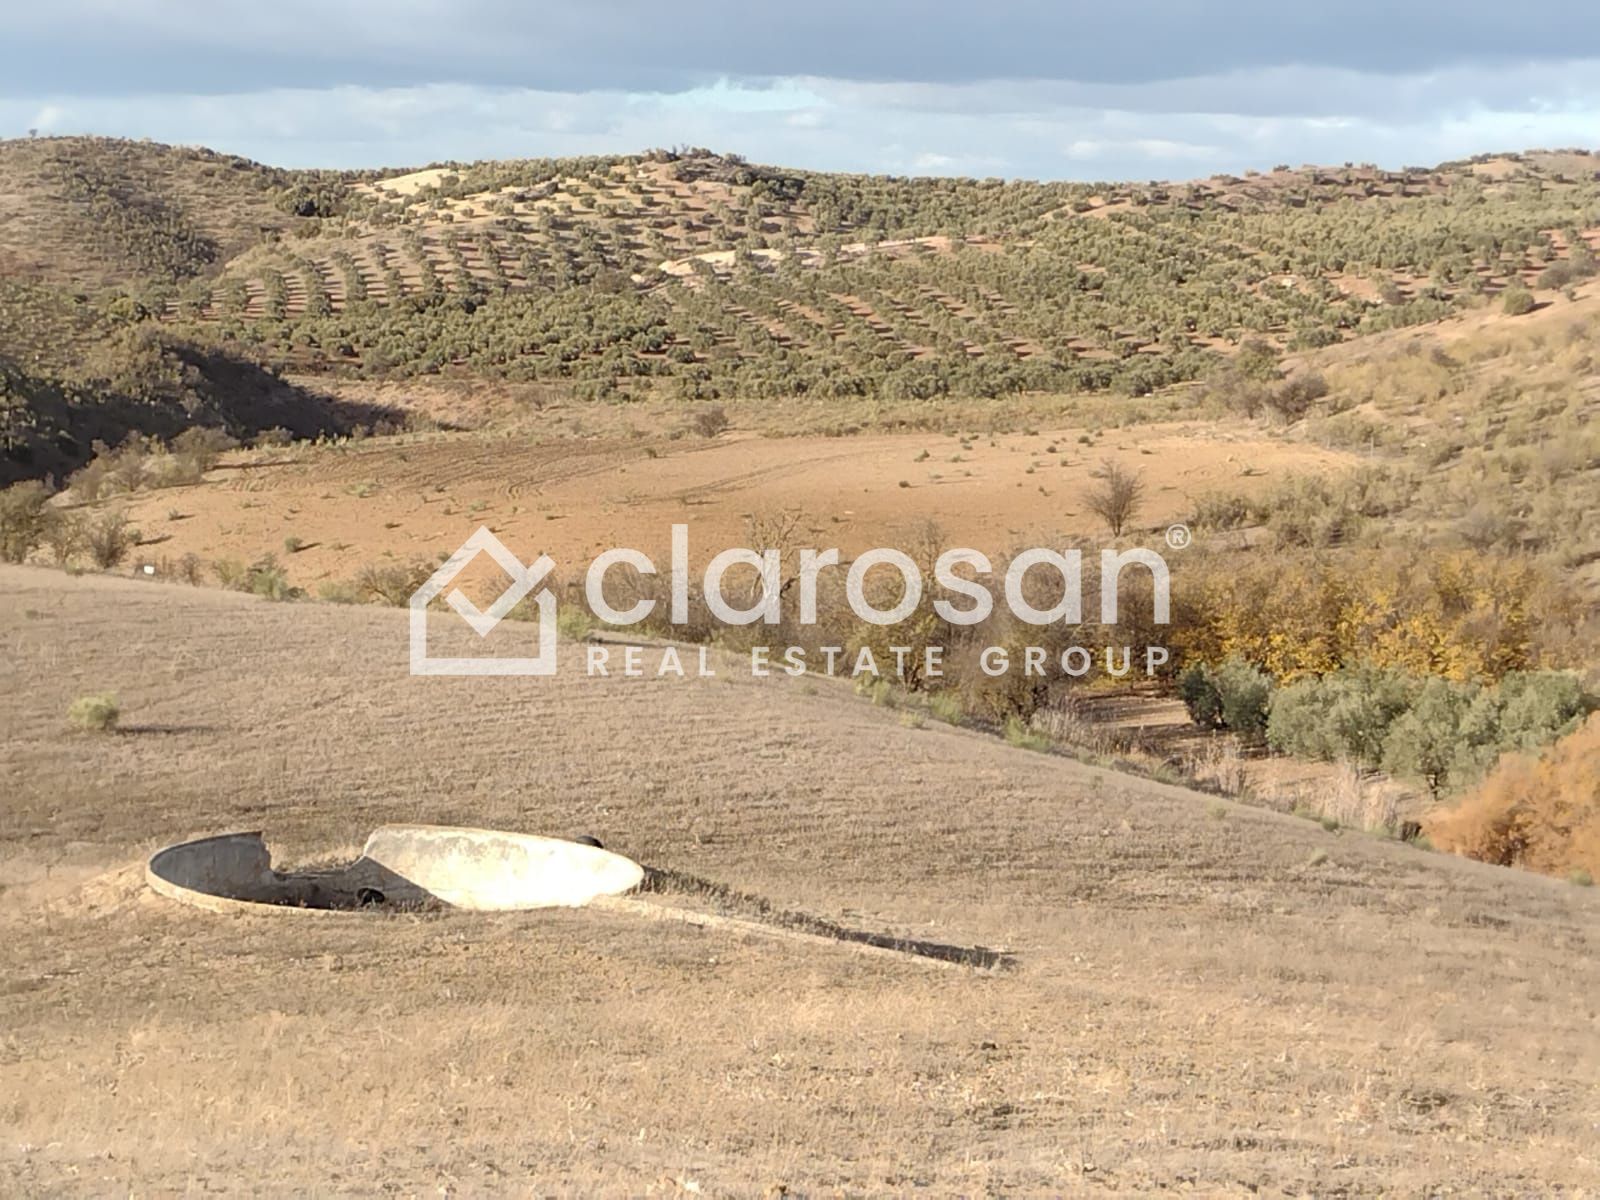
pixel 265 578
pixel 702 277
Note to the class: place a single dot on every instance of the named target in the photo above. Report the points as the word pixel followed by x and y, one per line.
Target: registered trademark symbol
pixel 1178 536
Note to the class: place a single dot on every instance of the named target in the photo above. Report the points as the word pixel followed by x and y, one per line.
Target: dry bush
pixel 1357 800
pixel 65 536
pixel 143 462
pixel 1348 796
pixel 1539 813
pixel 392 584
pixel 1517 302
pixel 708 422
pixel 113 471
pixel 1217 511
pixel 1294 398
pixel 1116 497
pixel 1218 763
pixel 264 578
pixel 337 591
pixel 1067 719
pixel 109 539
pixel 24 520
pixel 200 447
pixel 188 569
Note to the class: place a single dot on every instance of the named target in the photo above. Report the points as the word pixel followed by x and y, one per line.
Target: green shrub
pixel 1454 733
pixel 1244 691
pixel 264 578
pixel 1019 734
pixel 1540 813
pixel 1231 696
pixel 1200 697
pixel 574 623
pixel 267 579
pixel 99 713
pixel 1517 301
pixel 1342 716
pixel 230 573
pixel 1423 742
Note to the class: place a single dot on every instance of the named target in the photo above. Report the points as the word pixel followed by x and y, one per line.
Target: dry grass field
pixel 1204 997
pixel 572 496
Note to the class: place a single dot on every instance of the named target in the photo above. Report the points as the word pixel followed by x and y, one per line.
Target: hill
pixel 91 213
pixel 1204 996
pixel 693 275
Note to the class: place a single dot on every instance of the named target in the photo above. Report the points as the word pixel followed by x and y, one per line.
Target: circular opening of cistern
pixel 401 867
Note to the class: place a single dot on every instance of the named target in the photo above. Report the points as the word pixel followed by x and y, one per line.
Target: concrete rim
pixel 456 867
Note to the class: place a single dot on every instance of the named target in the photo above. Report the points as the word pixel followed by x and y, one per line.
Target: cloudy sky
pixel 1059 90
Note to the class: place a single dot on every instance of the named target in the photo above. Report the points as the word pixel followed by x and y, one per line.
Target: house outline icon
pixel 523 580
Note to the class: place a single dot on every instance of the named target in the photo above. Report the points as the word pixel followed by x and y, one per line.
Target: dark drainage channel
pixel 732 903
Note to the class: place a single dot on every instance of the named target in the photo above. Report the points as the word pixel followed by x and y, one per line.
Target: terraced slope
pixel 720 273
pixel 727 276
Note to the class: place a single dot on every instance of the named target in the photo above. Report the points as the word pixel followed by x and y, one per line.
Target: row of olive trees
pixel 1438 732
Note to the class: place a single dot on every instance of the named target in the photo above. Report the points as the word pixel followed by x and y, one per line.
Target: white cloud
pixel 1177 130
pixel 48 118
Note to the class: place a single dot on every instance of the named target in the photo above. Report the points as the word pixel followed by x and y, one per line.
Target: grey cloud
pixel 90 46
pixel 1160 88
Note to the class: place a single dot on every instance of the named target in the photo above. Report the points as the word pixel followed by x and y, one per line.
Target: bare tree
pixel 1116 498
pixel 773 529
